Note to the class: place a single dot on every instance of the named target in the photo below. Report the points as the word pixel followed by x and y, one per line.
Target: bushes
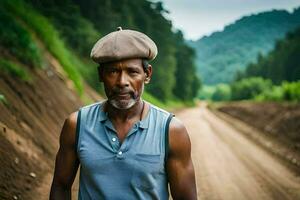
pixel 287 91
pixel 47 33
pixel 249 88
pixel 222 93
pixel 256 88
pixel 17 41
pixel 261 89
pixel 274 94
pixel 291 91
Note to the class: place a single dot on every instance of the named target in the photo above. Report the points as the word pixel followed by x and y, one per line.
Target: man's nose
pixel 123 80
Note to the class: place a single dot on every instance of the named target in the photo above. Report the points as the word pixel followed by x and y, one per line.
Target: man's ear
pixel 100 73
pixel 148 72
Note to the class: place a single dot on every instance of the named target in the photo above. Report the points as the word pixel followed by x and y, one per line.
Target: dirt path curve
pixel 229 166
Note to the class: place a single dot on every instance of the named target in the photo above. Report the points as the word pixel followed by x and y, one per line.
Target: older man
pixel 126 147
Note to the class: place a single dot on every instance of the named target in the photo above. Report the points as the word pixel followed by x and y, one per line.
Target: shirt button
pixel 120 152
pixel 114 139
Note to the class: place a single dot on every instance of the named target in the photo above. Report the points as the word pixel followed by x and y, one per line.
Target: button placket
pixel 115 143
pixel 121 152
pixel 113 140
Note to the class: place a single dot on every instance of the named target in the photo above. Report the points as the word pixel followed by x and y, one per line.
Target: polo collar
pixel 144 123
pixel 102 115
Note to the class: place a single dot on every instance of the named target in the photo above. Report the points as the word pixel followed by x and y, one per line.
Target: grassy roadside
pixel 14 70
pixel 50 37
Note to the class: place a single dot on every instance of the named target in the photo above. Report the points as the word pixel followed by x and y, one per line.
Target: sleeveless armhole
pixel 77 130
pixel 171 115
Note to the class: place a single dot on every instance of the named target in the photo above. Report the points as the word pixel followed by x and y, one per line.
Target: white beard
pixel 123 104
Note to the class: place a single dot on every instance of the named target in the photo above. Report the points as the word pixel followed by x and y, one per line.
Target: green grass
pixel 14 70
pixel 50 37
pixel 17 40
pixel 3 99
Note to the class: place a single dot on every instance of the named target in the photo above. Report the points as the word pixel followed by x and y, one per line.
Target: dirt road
pixel 229 166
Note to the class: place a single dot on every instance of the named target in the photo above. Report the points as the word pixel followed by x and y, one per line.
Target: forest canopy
pixel 77 25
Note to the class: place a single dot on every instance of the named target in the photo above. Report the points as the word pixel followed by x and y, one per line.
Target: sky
pixel 197 18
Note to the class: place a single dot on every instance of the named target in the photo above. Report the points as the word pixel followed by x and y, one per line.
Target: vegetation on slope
pixel 47 33
pixel 81 23
pixel 279 73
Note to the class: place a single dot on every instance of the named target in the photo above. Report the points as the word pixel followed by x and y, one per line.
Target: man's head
pixel 123 58
pixel 124 81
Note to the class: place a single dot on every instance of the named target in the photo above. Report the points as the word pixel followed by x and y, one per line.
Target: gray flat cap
pixel 123 44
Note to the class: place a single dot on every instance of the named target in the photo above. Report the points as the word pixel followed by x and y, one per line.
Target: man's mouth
pixel 122 94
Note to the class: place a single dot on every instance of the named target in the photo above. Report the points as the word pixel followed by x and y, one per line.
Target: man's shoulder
pixel 176 126
pixel 91 106
pixel 159 110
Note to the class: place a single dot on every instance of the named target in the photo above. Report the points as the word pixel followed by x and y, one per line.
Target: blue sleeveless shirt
pixel 134 169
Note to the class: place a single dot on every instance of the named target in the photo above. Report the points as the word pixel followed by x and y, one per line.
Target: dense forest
pixel 281 64
pixel 273 77
pixel 223 53
pixel 69 28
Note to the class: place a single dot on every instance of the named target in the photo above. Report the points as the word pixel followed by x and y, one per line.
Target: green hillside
pixel 281 67
pixel 273 77
pixel 281 64
pixel 69 28
pixel 223 53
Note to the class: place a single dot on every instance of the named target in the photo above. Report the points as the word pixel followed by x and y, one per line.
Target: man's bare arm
pixel 67 163
pixel 180 168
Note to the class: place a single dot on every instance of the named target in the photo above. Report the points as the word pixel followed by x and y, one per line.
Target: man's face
pixel 123 82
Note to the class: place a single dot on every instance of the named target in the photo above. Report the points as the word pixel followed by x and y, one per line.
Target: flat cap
pixel 123 44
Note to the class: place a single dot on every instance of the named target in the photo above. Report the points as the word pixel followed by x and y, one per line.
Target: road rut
pixel 229 166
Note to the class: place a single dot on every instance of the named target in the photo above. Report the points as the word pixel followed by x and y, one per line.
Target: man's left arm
pixel 181 175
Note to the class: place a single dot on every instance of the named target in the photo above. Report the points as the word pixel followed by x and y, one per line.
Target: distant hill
pixel 223 53
pixel 281 64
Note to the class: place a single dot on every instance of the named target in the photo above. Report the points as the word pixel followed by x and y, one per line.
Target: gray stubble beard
pixel 123 104
pixel 126 105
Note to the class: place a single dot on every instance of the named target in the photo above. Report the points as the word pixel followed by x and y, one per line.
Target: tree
pixel 187 82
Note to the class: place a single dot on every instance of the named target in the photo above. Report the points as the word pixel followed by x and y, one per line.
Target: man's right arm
pixel 66 164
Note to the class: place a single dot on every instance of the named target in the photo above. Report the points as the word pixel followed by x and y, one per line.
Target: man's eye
pixel 112 71
pixel 133 72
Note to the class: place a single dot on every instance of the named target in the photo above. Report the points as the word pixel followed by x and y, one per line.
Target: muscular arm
pixel 180 168
pixel 66 164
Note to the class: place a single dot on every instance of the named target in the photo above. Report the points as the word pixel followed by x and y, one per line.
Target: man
pixel 126 147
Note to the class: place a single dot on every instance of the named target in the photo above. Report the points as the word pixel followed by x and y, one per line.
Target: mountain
pixel 222 54
pixel 281 64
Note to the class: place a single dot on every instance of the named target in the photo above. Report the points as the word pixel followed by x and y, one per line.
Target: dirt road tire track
pixel 230 166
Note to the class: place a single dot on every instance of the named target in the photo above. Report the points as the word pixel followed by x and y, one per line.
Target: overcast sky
pixel 197 18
